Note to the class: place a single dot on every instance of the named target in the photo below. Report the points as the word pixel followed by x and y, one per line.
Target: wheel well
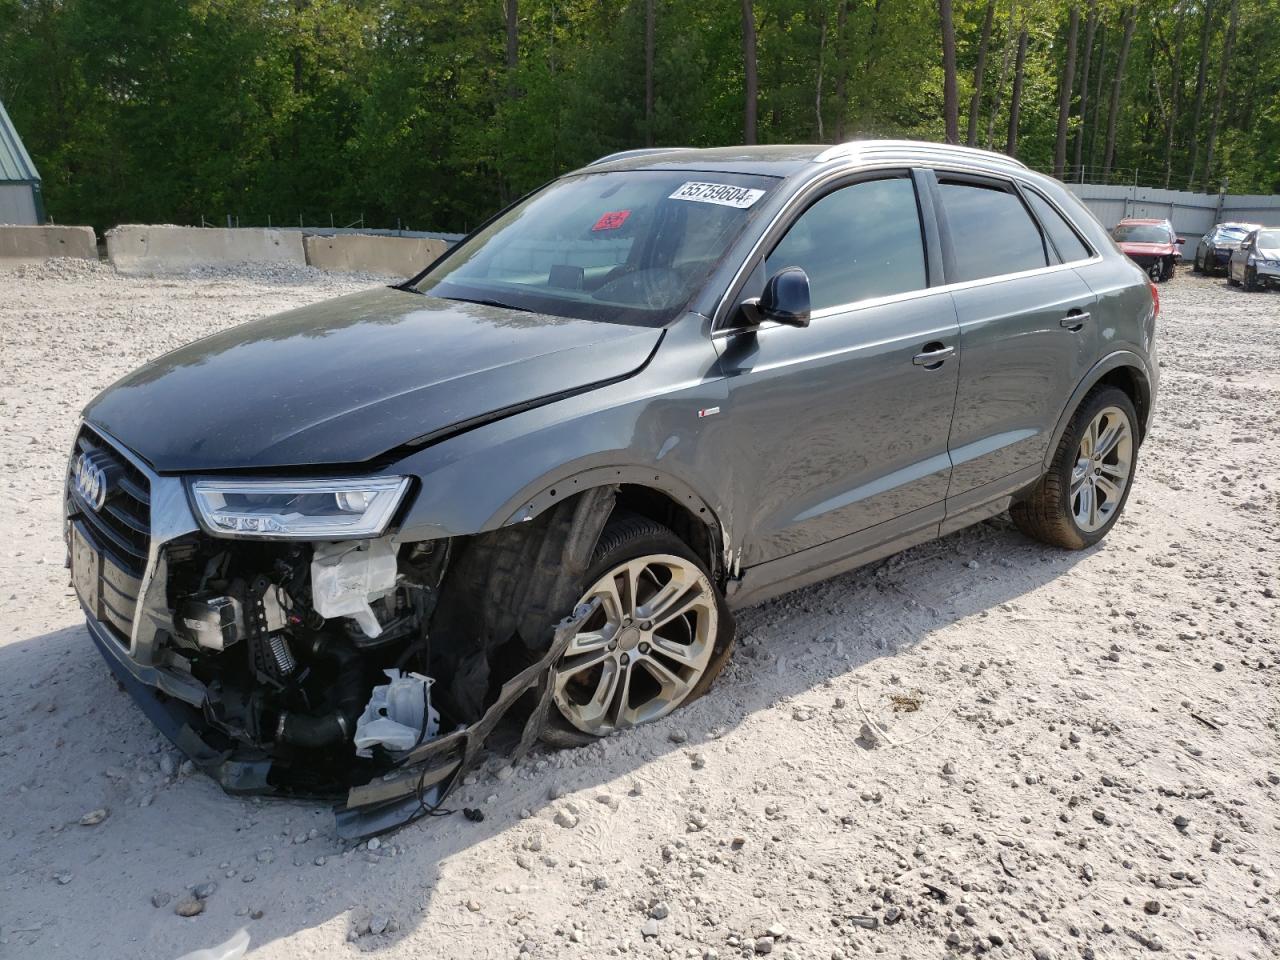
pixel 697 531
pixel 1131 381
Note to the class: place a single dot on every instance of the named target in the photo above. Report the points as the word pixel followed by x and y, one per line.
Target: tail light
pixel 1155 298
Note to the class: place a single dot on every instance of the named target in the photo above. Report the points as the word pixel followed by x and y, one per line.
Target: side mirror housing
pixel 785 300
pixel 1180 241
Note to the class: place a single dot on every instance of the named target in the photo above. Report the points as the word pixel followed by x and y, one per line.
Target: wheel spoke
pixel 677 605
pixel 1110 490
pixel 1107 442
pixel 572 666
pixel 1118 471
pixel 620 710
pixel 589 641
pixel 686 654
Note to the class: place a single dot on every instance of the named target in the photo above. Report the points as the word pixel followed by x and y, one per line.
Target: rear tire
pixel 700 639
pixel 1087 485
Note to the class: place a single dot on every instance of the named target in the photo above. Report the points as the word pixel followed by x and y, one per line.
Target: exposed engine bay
pixel 291 640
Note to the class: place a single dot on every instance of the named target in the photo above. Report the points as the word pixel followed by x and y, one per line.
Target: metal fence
pixel 1192 214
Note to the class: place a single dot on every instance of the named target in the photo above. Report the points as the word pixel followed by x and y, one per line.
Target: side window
pixel 1070 246
pixel 991 231
pixel 857 242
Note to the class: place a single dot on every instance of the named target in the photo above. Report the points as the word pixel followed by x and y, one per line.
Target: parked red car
pixel 1151 244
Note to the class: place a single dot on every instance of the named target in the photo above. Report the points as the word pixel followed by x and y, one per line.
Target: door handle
pixel 1074 320
pixel 932 356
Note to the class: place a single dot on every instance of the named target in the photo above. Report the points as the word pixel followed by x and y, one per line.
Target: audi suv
pixel 333 552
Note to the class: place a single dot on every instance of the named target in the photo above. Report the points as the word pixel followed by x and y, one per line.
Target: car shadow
pixel 75 744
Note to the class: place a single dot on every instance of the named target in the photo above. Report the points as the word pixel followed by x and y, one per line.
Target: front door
pixel 844 423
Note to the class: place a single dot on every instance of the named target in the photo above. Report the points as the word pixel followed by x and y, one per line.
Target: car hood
pixel 343 381
pixel 1146 249
pixel 1268 253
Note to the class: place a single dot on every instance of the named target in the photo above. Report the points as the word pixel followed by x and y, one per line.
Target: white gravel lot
pixel 1097 769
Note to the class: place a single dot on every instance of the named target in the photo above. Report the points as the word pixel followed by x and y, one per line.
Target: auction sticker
pixel 724 194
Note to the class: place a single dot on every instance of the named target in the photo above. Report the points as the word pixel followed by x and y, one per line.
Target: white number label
pixel 724 194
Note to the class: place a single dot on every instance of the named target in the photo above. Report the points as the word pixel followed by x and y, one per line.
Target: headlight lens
pixel 298 509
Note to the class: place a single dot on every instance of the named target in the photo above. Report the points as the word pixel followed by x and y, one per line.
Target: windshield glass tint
pixel 1269 240
pixel 1231 233
pixel 627 246
pixel 1141 233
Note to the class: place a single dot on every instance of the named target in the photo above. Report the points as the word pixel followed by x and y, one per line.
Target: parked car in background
pixel 1151 244
pixel 1214 249
pixel 667 385
pixel 1256 261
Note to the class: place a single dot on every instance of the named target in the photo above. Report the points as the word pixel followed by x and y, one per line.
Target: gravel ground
pixel 1080 752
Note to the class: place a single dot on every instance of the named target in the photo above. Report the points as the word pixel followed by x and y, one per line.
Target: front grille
pixel 119 531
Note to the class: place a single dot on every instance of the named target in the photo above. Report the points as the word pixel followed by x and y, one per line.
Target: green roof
pixel 15 162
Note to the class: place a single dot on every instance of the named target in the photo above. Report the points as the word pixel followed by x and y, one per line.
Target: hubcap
pixel 643 650
pixel 1101 473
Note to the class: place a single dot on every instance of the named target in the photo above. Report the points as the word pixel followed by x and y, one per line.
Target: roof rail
pixel 640 152
pixel 854 148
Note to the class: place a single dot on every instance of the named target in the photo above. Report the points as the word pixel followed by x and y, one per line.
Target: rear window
pixel 1064 237
pixel 991 231
pixel 1142 233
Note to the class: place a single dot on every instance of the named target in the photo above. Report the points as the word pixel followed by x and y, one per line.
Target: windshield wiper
pixel 489 302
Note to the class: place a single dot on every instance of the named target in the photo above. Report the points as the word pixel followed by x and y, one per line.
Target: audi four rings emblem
pixel 91 482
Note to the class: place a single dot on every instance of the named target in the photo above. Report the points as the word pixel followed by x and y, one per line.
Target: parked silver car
pixel 1256 262
pixel 545 471
pixel 1214 248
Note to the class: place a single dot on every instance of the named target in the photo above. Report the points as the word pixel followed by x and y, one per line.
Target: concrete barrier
pixel 392 256
pixel 149 249
pixel 19 245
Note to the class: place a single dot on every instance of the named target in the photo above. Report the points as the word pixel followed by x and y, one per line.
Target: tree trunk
pixel 950 99
pixel 1064 94
pixel 1097 98
pixel 1015 101
pixel 979 73
pixel 1113 114
pixel 1206 34
pixel 842 67
pixel 817 92
pixel 513 34
pixel 1004 75
pixel 1175 97
pixel 650 22
pixel 751 82
pixel 1223 69
pixel 1091 25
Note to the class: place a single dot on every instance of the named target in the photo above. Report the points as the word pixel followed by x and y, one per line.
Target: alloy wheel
pixel 643 651
pixel 1104 461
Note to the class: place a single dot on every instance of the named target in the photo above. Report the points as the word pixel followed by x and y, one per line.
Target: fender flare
pixel 1111 362
pixel 541 494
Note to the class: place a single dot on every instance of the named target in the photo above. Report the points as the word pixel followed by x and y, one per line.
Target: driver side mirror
pixel 785 300
pixel 1180 241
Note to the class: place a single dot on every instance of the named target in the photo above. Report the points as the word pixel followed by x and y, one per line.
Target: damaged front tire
pixel 660 637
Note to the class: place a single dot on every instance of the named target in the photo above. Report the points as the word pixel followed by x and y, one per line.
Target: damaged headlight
pixel 298 509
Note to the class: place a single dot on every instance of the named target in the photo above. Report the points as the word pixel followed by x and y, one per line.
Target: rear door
pixel 1027 336
pixel 844 423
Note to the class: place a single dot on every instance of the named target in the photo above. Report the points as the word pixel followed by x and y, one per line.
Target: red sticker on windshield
pixel 611 220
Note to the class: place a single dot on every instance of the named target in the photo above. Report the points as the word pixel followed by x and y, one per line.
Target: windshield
pixel 1268 240
pixel 1232 233
pixel 629 246
pixel 1141 233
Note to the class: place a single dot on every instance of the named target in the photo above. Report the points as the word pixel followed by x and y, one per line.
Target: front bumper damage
pixel 222 707
pixel 423 776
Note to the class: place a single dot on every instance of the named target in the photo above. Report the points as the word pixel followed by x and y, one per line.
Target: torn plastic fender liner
pixel 398 797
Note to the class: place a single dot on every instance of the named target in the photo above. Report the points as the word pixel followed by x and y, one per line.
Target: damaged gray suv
pixel 337 551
